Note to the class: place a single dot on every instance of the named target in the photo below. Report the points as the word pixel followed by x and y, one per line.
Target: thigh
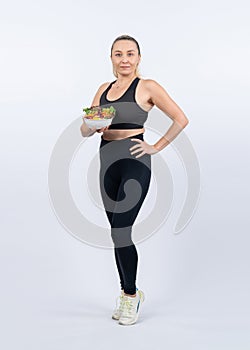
pixel 131 169
pixel 118 166
pixel 109 181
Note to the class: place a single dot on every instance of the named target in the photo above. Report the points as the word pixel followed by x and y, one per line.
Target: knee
pixel 121 236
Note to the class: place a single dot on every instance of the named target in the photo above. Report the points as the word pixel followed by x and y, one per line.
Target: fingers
pixel 99 130
pixel 136 145
pixel 140 155
pixel 136 149
pixel 102 129
pixel 139 150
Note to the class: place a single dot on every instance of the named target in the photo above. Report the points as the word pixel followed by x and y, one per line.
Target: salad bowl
pixel 98 117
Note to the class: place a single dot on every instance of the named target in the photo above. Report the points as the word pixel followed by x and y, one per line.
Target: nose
pixel 124 59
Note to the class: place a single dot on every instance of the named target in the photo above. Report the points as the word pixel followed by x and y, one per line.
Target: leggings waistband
pixel 137 136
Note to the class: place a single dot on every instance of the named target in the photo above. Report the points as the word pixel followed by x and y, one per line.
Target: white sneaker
pixel 130 309
pixel 119 305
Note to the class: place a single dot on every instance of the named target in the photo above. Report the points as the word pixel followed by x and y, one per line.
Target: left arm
pixel 160 98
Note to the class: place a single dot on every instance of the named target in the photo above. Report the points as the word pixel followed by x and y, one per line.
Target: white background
pixel 59 293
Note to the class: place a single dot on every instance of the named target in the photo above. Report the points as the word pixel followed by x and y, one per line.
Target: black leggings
pixel 124 183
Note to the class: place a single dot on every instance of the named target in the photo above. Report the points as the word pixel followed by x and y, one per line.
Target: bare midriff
pixel 119 134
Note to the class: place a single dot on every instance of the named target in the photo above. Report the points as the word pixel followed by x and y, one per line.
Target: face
pixel 125 57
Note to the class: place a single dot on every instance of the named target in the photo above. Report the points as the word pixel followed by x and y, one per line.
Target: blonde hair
pixel 127 37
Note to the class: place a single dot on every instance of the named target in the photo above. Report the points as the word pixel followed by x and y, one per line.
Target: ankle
pixel 130 295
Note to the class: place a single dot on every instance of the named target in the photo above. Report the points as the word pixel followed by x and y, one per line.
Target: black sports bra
pixel 129 115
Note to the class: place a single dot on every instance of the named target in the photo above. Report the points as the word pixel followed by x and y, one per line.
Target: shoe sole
pixel 115 318
pixel 129 324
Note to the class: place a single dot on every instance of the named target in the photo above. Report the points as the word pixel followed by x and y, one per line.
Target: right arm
pixel 85 130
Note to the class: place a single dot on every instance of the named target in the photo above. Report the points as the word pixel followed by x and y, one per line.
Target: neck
pixel 124 80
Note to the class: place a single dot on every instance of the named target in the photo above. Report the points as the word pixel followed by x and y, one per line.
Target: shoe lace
pixel 127 307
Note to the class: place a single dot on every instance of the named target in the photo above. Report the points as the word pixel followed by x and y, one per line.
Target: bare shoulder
pixel 151 84
pixel 153 91
pixel 103 86
pixel 101 89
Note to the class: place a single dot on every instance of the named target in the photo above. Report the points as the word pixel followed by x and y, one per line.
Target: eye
pixel 130 54
pixel 117 54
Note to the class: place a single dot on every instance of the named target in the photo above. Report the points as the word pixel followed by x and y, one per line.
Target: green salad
pixel 98 112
